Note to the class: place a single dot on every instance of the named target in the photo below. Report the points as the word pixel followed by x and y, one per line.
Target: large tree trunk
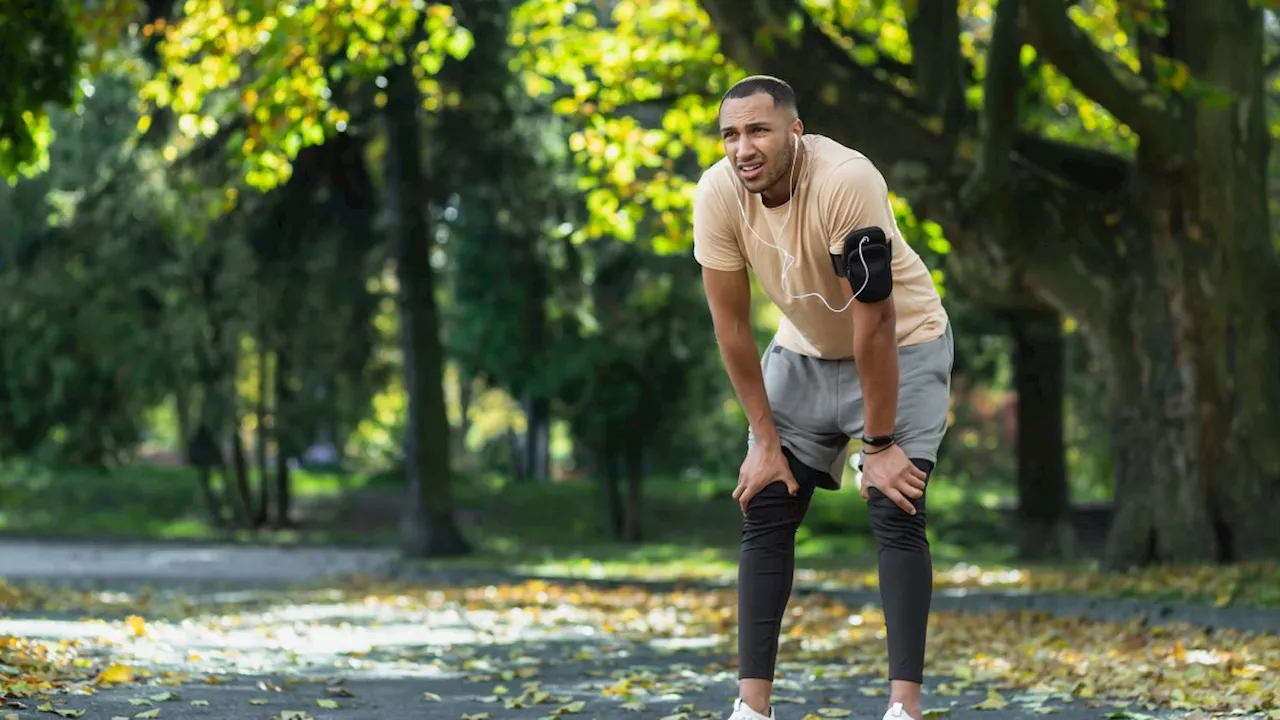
pixel 428 525
pixel 1166 261
pixel 1039 367
pixel 1191 352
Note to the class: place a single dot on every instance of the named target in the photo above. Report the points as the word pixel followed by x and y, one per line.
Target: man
pixel 864 350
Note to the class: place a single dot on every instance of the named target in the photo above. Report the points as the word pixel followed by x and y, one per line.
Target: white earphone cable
pixel 788 260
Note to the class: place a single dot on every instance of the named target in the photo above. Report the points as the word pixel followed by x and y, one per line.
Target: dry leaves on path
pixel 1171 667
pixel 1244 584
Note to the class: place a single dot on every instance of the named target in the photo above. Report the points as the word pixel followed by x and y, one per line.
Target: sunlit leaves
pixel 39 65
pixel 282 63
pixel 643 82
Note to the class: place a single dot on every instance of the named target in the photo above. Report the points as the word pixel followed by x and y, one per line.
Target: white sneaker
pixel 897 713
pixel 743 711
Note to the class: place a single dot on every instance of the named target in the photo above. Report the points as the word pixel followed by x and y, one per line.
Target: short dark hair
pixel 776 88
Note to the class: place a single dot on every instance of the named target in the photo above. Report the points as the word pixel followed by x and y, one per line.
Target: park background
pixel 345 273
pixel 418 276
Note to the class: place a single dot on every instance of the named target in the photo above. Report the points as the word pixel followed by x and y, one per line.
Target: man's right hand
pixel 764 464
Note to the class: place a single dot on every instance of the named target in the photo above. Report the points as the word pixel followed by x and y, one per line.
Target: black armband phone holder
pixel 867 261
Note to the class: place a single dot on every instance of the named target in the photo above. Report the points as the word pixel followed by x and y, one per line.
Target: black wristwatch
pixel 878 440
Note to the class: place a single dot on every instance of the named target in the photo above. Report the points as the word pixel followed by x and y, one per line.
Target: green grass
pixel 143 502
pixel 685 521
pixel 692 529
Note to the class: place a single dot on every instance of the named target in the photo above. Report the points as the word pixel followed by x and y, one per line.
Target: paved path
pixel 383 663
pixel 251 650
pixel 71 560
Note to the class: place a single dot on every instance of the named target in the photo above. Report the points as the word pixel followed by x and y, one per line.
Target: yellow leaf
pixel 327 704
pixel 834 712
pixel 137 624
pixel 994 701
pixel 114 673
pixel 148 715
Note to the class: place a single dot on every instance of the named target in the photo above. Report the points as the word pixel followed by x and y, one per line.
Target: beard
pixel 777 175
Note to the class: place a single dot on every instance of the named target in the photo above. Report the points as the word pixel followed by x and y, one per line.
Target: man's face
pixel 758 140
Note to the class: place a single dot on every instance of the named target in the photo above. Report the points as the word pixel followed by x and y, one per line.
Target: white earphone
pixel 789 260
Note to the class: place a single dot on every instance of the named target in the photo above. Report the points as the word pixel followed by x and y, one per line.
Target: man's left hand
pixel 893 474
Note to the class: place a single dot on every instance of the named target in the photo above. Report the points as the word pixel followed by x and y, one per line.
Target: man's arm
pixel 875 351
pixel 729 299
pixel 728 289
pixel 856 197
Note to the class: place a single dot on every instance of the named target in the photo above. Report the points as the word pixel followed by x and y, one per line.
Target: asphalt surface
pixel 244 649
pixel 666 685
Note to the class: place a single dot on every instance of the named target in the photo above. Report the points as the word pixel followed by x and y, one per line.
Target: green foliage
pixel 39 62
pixel 78 361
pixel 282 64
pixel 642 85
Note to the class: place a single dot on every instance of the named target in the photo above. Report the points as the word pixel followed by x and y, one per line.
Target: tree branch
pixel 1000 107
pixel 1121 91
pixel 934 30
pixel 868 111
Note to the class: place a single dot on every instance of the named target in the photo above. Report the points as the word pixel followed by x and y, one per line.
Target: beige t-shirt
pixel 839 190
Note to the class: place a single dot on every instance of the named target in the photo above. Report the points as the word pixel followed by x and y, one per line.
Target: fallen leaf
pixel 994 701
pixel 114 674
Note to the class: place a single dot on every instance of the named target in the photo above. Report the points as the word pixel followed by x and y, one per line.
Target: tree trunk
pixel 428 526
pixel 1192 350
pixel 260 440
pixel 608 476
pixel 240 470
pixel 633 507
pixel 466 395
pixel 1044 520
pixel 285 432
pixel 537 438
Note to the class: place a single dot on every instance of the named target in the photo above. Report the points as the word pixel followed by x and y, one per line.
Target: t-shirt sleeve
pixel 856 196
pixel 714 245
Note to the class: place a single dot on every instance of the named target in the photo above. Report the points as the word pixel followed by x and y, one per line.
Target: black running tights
pixel 766 570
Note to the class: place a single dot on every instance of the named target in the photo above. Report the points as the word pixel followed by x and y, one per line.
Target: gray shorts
pixel 817 404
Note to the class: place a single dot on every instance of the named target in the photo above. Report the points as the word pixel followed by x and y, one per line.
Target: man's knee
pixel 774 509
pixel 894 528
